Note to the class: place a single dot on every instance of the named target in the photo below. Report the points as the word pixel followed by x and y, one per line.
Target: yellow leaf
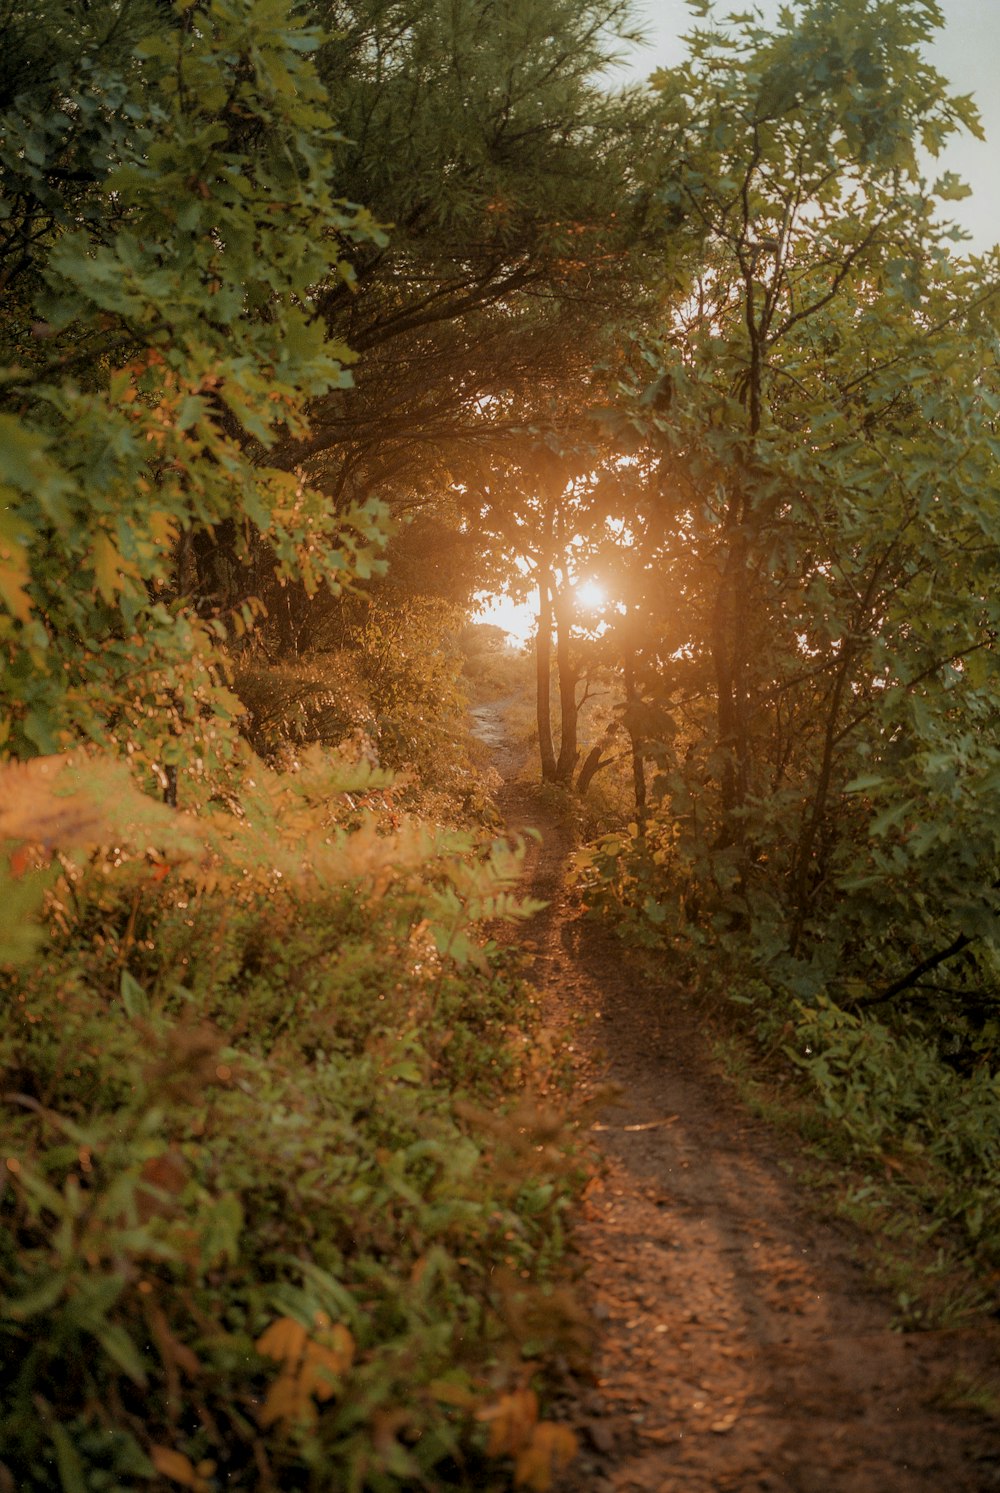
pixel 287 1400
pixel 326 1360
pixel 446 1392
pixel 511 1421
pixel 163 527
pixel 310 1367
pixel 178 1468
pixel 284 1340
pixel 107 564
pixel 15 574
pixel 550 1451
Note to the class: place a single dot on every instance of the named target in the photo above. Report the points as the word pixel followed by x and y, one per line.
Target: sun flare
pixel 590 595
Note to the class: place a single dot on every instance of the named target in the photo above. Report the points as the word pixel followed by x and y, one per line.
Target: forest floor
pixel 741 1346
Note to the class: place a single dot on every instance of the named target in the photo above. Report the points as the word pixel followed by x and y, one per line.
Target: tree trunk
pixel 594 761
pixel 730 622
pixel 638 767
pixel 568 708
pixel 543 673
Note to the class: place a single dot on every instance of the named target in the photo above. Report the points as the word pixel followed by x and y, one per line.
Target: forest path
pixel 741 1349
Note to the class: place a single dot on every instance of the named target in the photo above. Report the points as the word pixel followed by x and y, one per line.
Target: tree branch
pixel 905 982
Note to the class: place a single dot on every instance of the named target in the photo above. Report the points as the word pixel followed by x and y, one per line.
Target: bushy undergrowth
pixel 492 668
pixel 300 701
pixel 888 1091
pixel 279 1210
pixel 395 687
pixel 910 1091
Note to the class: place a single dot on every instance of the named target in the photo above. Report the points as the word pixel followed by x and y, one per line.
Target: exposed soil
pixel 741 1348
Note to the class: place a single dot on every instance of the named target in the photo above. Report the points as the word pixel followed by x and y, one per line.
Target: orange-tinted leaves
pixel 511 1421
pixel 310 1367
pixel 550 1451
pixel 283 1340
pixel 540 1449
pixel 180 1469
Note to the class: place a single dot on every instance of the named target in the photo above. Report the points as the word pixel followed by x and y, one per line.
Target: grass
pixel 962 1391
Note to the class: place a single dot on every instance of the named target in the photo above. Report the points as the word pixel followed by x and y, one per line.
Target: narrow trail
pixel 741 1349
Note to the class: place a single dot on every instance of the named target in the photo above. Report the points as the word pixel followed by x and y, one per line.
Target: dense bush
pixel 279 1209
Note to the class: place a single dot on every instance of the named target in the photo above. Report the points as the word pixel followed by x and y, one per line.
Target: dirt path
pixel 740 1347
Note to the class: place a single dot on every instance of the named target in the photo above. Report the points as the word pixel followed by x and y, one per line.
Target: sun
pixel 590 595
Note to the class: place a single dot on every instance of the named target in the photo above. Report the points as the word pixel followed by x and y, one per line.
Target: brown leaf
pixel 551 1449
pixel 601 1434
pixel 161 1174
pixel 284 1340
pixel 511 1421
pixel 178 1468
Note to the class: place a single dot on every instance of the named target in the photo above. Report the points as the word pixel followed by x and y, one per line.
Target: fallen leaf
pixel 601 1434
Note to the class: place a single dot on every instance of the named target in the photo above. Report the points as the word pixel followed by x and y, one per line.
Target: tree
pixel 824 405
pixel 170 185
pixel 490 142
pixel 544 508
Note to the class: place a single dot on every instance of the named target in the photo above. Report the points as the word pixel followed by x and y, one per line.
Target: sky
pixel 967 52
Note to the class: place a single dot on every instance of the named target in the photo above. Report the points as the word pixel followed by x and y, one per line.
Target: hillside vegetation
pixel 320 321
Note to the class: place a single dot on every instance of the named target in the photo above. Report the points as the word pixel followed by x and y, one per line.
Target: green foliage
pixel 890 1092
pixel 163 341
pixel 494 142
pixel 823 408
pixel 409 656
pixel 818 410
pixel 270 1211
pixel 395 689
pixel 911 1131
pixel 290 704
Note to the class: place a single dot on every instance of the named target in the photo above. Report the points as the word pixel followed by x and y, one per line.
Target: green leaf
pixel 22 1308
pixel 122 1350
pixel 221 1230
pixel 951 188
pixel 133 997
pixel 21 902
pixel 71 1474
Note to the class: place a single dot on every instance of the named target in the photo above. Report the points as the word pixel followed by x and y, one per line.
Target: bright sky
pixel 967 52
